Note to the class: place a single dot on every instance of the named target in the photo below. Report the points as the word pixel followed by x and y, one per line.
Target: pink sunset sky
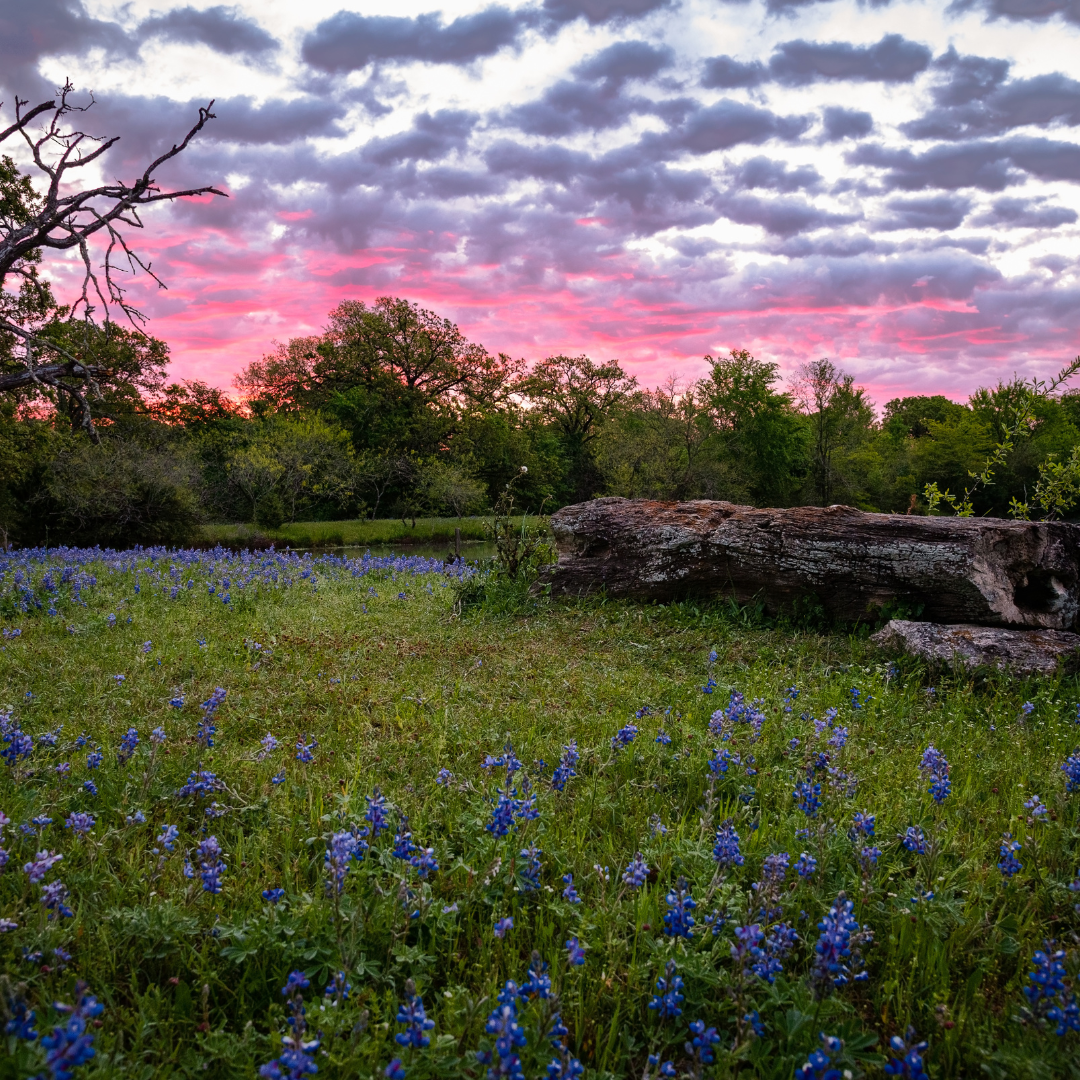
pixel 891 185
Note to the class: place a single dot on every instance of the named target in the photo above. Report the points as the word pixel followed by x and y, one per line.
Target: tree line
pixel 393 412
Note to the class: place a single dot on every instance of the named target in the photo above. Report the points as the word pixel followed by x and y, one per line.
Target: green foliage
pixel 191 981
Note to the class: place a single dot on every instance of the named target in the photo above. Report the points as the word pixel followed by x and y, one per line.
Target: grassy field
pixel 371 682
pixel 356 533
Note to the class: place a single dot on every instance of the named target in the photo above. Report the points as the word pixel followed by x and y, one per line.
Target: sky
pixel 893 185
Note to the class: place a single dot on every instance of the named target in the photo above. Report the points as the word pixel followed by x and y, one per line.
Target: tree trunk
pixel 972 570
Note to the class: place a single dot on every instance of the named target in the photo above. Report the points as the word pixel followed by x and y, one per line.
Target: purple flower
pixel 412 1015
pixel 295 1060
pixel 678 922
pixel 667 998
pixel 211 865
pixel 575 952
pixel 726 851
pixel 304 750
pixel 201 784
pixel 502 925
pixel 128 742
pixel 1009 864
pixel 395 1070
pixel 273 896
pixel 624 736
pixel 79 823
pixel 90 787
pixel 530 868
pixel 935 768
pixel 41 864
pixel 570 893
pixel 863 824
pixel 269 744
pixel 1071 769
pixel 808 797
pixel 914 840
pixel 805 865
pixel 425 863
pixel 838 959
pixel 444 777
pixel 567 766
pixel 819 1064
pixel 53 896
pixel 169 835
pixel 636 873
pixel 146 646
pixel 70 1045
pixel 344 847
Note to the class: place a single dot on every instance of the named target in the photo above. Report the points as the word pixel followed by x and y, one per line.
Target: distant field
pixel 357 532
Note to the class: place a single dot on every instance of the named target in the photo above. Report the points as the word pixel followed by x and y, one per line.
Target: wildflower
pixel 128 742
pixel 667 997
pixel 502 813
pixel 624 736
pixel 278 779
pixel 678 922
pixel 819 1064
pixel 726 850
pixel 450 909
pixel 793 742
pixel 570 893
pixel 808 797
pixel 295 1060
pixel 211 866
pixel 444 777
pixel 914 840
pixel 177 700
pixel 701 1043
pixel 665 1068
pixel 93 759
pixel 337 984
pixel 839 738
pixel 70 1045
pixel 268 745
pixel 41 821
pixel 146 646
pixel 90 787
pixel 1037 810
pixel 118 679
pixel 395 1070
pixel 41 864
pixel 1048 995
pixel 656 826
pixel 53 896
pixel 214 702
pixel 575 952
pixel 805 865
pixel 1027 709
pixel 376 813
pixel 718 763
pixel 863 823
pixel 602 873
pixel 909 1062
pixel 412 1015
pixel 502 1023
pixel 273 896
pixel 403 845
pixel 304 750
pixel 79 823
pixel 502 925
pixel 790 694
pixel 538 984
pixel 19 745
pixel 21 1019
pixel 530 870
pixel 710 686
pixel 1009 864
pixel 838 959
pixel 425 863
pixel 342 850
pixel 869 856
pixel 169 835
pixel 200 784
pixel 636 873
pixel 774 868
pixel 935 768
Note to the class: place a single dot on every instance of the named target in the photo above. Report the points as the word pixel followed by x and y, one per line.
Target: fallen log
pixel 944 569
pixel 1020 652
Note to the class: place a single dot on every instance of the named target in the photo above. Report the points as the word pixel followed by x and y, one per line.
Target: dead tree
pixel 60 215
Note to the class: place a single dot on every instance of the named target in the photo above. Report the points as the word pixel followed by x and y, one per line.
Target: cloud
pixel 223 29
pixel 782 217
pixel 626 60
pixel 1025 214
pixel 724 125
pixel 763 172
pixel 602 11
pixel 983 165
pixel 726 73
pixel 30 31
pixel 1021 10
pixel 940 212
pixel 892 59
pixel 838 123
pixel 432 138
pixel 349 42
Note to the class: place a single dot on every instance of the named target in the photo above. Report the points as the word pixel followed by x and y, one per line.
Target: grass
pixel 191 980
pixel 356 533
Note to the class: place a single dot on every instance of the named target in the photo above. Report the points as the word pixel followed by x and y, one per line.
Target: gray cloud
pixel 939 212
pixel 727 73
pixel 626 60
pixel 892 59
pixel 838 123
pixel 602 11
pixel 432 138
pixel 763 172
pixel 1025 214
pixel 223 29
pixel 782 217
pixel 349 42
pixel 724 125
pixel 1023 10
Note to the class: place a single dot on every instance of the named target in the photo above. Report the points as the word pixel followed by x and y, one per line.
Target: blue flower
pixel 726 852
pixel 79 823
pixel 338 983
pixel 295 1060
pixel 502 925
pixel 914 840
pixel 444 777
pixel 211 865
pixel 395 1070
pixel 538 984
pixel 663 738
pixel 667 998
pixel 403 845
pixel 624 736
pixel 863 824
pixel 1071 769
pixel 570 893
pixel 412 1015
pixel 805 865
pixel 678 922
pixel 70 1045
pixel 701 1043
pixel 790 694
pixel 819 1065
pixel 425 863
pixel 636 872
pixel 530 869
pixel 754 1020
pixel 93 759
pixel 128 742
pixel 273 896
pixel 304 750
pixel 376 813
pixel 838 960
pixel 935 768
pixel 908 1061
pixel 344 847
pixel 20 1020
pixel 90 787
pixel 575 952
pixel 1009 864
pixel 503 1025
pixel 808 797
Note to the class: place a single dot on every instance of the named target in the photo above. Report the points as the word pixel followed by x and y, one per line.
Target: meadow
pixel 272 815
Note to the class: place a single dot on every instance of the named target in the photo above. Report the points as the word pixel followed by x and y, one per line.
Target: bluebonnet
pixel 70 1044
pixel 93 759
pixel 678 922
pixel 699 1047
pixel 211 865
pixel 774 867
pixel 636 872
pixel 1027 709
pixel 1037 810
pixel 268 744
pixel 40 865
pixel 855 696
pixel 395 1070
pixel 79 823
pixel 502 813
pixel 177 700
pixel 128 742
pixel 869 856
pixel 502 925
pixel 273 896
pixel 709 686
pixel 624 736
pixel 412 1015
pixel 575 952
pixel 279 778
pixel 503 1024
pixel 146 645
pixel 746 948
pixel 808 797
pixel 908 1061
pixel 205 732
pixel 1071 769
pixel 663 738
pixel 425 862
pixel 21 1020
pixel 570 893
pixel 53 897
pixel 538 984
pixel 656 826
pixel 403 845
pixel 790 694
pixel 819 1065
pixel 443 777
pixel 40 821
pixel 530 868
pixel 201 784
pixel 726 851
pixel 839 738
pixel 338 983
pixel 295 1060
pixel 667 998
pixel 169 835
pixel 935 768
pixel 157 736
pixel 863 823
pixel 64 768
pixel 18 744
pixel 304 749
pixel 118 679
pixel 343 848
pixel 90 787
pixel 507 758
pixel 1047 993
pixel 1009 864
pixel 838 959
pixel 805 865
pixel 718 763
pixel 376 813
pixel 914 840
pixel 50 738
pixel 663 1068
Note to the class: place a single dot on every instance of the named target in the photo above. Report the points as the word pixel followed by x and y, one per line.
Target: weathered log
pixel 944 569
pixel 1020 652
